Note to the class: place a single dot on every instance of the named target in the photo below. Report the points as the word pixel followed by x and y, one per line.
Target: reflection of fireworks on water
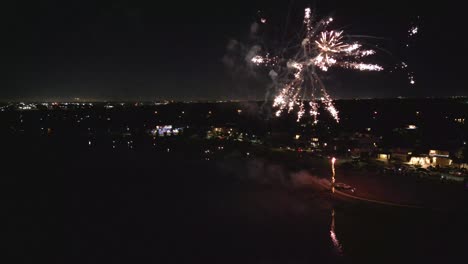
pixel 335 241
pixel 320 49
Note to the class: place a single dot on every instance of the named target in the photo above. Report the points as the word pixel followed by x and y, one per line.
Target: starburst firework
pixel 320 49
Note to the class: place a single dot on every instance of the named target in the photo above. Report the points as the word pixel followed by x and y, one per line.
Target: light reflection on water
pixel 334 239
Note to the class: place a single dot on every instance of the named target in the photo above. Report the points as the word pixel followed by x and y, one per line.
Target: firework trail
pixel 413 31
pixel 319 50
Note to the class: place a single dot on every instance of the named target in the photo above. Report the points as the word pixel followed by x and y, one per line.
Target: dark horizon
pixel 132 100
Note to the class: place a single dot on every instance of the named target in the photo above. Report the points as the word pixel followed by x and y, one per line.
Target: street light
pixel 333 160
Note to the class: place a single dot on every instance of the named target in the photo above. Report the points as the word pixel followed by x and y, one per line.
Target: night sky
pixel 154 50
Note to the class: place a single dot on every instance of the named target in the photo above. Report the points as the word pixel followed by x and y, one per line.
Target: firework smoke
pixel 298 76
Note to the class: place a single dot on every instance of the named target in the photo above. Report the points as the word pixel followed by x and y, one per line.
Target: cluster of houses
pixel 433 158
pixel 365 145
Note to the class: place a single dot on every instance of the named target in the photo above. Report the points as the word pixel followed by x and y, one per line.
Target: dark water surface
pixel 92 208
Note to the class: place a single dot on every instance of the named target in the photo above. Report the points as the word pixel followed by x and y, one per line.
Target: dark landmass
pixel 102 190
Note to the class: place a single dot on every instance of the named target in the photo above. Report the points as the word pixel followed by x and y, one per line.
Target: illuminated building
pixel 440 158
pixel 460 120
pixel 401 154
pixel 223 133
pixel 383 156
pixel 435 158
pixel 421 160
pixel 166 130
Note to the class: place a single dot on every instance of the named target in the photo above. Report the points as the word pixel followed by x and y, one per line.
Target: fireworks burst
pixel 320 49
pixel 413 31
